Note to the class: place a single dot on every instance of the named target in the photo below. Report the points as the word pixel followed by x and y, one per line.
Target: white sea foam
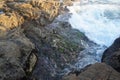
pixel 99 22
pixel 106 1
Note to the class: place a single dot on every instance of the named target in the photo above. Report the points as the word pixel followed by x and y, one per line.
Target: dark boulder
pixel 111 56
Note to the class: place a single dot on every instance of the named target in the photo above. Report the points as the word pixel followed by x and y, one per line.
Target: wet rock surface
pixel 37 50
pixel 58 45
pixel 111 56
pixel 37 44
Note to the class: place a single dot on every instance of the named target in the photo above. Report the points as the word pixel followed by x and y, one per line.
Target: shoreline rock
pixel 37 43
pixel 46 48
pixel 111 56
pixel 97 71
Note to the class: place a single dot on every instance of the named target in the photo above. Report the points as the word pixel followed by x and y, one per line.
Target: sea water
pixel 99 20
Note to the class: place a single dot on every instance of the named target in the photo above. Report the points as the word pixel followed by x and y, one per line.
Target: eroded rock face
pixel 25 17
pixel 16 13
pixel 9 67
pixel 98 71
pixel 51 47
pixel 10 21
pixel 111 56
pixel 58 46
pixel 18 52
pixel 15 50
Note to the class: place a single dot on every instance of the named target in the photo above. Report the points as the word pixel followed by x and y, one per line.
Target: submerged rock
pixel 98 71
pixel 111 56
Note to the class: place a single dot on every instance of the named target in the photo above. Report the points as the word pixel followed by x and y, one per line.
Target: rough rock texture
pixel 15 51
pixel 18 53
pixel 98 71
pixel 111 56
pixel 10 21
pixel 25 25
pixel 58 46
pixel 16 13
pixel 35 45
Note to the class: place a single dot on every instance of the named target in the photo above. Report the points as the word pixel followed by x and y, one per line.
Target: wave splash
pixel 100 22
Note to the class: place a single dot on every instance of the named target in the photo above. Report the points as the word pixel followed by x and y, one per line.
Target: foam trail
pixel 100 23
pixel 99 20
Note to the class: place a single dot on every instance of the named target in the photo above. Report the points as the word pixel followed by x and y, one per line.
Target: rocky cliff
pixel 38 43
pixel 18 53
pixel 34 45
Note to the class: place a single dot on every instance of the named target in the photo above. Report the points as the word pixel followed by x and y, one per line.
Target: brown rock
pixel 25 10
pixel 41 10
pixel 10 21
pixel 50 9
pixel 98 71
pixel 1 4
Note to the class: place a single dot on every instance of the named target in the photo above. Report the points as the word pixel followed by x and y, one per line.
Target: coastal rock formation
pixel 16 13
pixel 111 56
pixel 10 21
pixel 58 45
pixel 15 52
pixel 37 44
pixel 18 54
pixel 98 71
pixel 37 49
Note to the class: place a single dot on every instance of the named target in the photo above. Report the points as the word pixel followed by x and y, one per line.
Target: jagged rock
pixel 111 56
pixel 16 13
pixel 10 21
pixel 25 10
pixel 98 71
pixel 43 11
pixel 15 51
pixel 50 10
pixel 58 46
pixel 21 57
